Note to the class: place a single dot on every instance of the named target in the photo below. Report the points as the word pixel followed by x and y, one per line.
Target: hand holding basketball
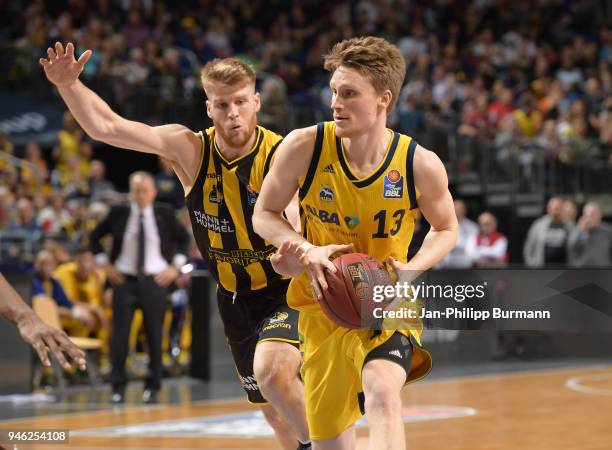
pixel 350 300
pixel 61 68
pixel 316 259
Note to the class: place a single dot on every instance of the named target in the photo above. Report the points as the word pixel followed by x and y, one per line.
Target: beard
pixel 238 139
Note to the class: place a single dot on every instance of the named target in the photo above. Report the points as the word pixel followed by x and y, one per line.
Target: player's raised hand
pixel 61 68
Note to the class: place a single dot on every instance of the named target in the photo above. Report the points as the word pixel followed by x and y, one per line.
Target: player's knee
pixel 275 371
pixel 271 377
pixel 382 398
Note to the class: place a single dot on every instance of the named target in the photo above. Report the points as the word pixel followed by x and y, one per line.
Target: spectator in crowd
pixel 99 187
pixel 546 243
pixel 570 211
pixel 53 218
pixel 590 243
pixel 83 284
pixel 7 148
pixel 44 284
pixel 23 233
pixel 488 248
pixel 35 174
pixel 140 229
pixel 458 258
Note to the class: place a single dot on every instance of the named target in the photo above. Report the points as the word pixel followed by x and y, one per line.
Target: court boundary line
pixel 575 384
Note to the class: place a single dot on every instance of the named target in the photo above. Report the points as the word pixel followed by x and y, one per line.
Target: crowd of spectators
pixel 530 80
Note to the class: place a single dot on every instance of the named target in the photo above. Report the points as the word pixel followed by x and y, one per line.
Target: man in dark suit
pixel 148 247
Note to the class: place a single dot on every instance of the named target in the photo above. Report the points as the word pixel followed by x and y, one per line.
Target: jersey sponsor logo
pixel 242 257
pixel 212 222
pixel 393 186
pixel 248 383
pixel 329 169
pixel 278 317
pixel 351 221
pixel 252 195
pixel 323 215
pixel 215 196
pixel 326 193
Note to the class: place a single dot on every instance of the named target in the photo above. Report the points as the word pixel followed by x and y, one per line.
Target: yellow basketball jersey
pixel 375 213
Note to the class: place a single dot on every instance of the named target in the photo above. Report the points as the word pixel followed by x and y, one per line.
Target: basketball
pixel 348 301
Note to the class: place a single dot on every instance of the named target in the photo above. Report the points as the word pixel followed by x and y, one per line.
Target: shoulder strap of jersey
pixel 201 175
pixel 269 157
pixel 314 162
pixel 410 174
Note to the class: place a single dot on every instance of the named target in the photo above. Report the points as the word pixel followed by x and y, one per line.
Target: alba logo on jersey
pixel 323 216
pixel 393 186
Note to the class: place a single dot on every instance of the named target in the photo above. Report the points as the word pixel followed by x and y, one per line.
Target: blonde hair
pixel 229 71
pixel 375 58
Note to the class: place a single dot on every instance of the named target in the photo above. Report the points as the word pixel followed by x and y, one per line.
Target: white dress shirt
pixel 127 261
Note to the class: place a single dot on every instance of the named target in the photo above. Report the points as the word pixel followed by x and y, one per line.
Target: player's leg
pixel 276 369
pixel 284 432
pixel 344 441
pixel 239 314
pixel 384 373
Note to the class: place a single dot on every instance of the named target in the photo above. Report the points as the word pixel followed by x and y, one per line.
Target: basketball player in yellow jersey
pixel 359 186
pixel 221 170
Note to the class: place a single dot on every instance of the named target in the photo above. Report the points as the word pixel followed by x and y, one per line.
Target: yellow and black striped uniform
pixel 221 206
pixel 377 215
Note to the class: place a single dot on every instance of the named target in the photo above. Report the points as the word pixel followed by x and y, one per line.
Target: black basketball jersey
pixel 221 204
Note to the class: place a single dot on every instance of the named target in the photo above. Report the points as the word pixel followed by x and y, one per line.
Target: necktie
pixel 140 258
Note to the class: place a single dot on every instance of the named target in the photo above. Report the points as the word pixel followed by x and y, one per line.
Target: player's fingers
pixel 393 263
pixel 320 273
pixel 84 58
pixel 329 266
pixel 339 248
pixel 51 54
pixel 59 49
pixel 43 62
pixel 57 353
pixel 70 50
pixel 76 354
pixel 41 350
pixel 314 284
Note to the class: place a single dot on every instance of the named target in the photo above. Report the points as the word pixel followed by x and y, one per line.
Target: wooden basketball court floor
pixel 543 409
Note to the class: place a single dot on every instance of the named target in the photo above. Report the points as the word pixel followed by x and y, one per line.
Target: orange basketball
pixel 349 299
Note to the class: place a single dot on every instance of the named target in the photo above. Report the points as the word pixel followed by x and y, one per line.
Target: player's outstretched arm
pixel 436 204
pixel 175 143
pixel 35 332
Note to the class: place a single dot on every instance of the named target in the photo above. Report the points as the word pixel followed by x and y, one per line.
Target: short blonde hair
pixel 375 58
pixel 229 71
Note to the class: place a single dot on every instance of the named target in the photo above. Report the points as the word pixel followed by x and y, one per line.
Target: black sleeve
pixel 103 229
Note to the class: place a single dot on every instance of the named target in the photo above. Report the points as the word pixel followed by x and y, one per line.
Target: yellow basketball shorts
pixel 333 358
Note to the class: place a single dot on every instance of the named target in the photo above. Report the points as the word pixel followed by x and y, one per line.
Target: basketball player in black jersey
pixel 221 170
